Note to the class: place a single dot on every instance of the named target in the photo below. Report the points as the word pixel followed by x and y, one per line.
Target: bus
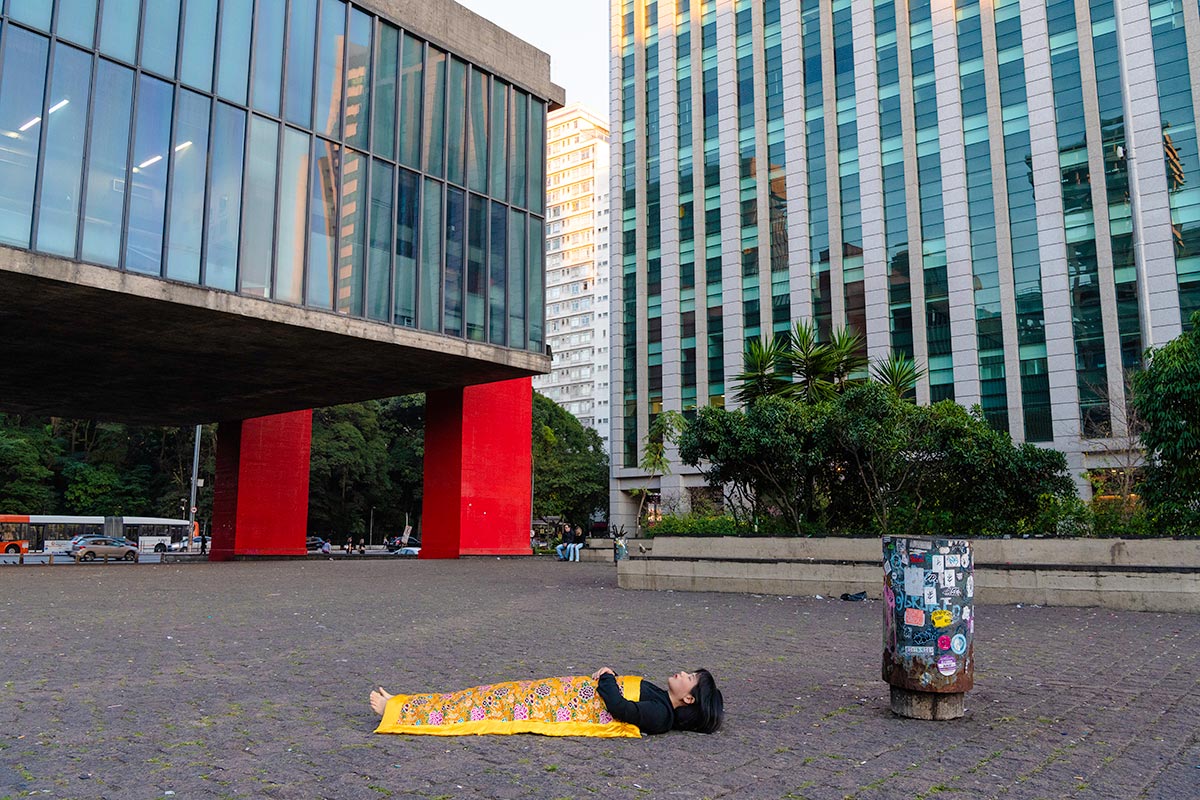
pixel 20 533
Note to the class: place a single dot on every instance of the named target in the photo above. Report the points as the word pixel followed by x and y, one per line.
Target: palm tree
pixel 766 370
pixel 797 365
pixel 848 350
pixel 899 373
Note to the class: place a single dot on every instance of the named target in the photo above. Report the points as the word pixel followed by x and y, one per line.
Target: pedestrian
pixel 326 549
pixel 602 705
pixel 349 546
pixel 362 547
pixel 203 544
pixel 577 542
pixel 564 541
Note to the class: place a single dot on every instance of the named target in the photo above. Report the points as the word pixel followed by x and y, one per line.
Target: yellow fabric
pixel 567 706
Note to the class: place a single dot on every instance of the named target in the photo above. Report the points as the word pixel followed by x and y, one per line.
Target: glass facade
pixel 304 151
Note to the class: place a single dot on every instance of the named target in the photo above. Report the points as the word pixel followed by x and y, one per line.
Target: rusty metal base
pixel 927 705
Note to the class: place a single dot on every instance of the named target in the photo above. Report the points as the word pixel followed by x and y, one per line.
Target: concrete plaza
pixel 250 680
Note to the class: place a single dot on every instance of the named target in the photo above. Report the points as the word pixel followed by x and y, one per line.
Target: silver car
pixel 91 549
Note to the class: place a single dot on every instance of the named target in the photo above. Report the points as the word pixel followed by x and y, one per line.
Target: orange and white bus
pixel 21 533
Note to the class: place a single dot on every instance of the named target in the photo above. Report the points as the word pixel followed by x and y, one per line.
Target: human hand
pixel 602 671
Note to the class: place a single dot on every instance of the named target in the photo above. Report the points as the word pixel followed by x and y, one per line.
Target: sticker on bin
pixel 942 618
pixel 947 665
pixel 959 644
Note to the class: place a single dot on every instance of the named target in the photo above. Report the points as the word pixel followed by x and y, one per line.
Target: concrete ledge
pixel 1166 579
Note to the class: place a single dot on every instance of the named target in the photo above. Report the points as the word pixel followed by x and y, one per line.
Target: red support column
pixel 260 500
pixel 478 470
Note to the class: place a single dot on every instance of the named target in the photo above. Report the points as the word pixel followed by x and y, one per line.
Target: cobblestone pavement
pixel 250 680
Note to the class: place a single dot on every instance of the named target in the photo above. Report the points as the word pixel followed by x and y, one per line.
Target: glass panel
pixel 431 257
pixel 199 38
pixel 322 224
pixel 498 158
pixel 31 12
pixel 24 83
pixel 411 83
pixel 432 124
pixel 330 77
pixel 456 123
pixel 77 21
pixel 476 268
pixel 108 140
pixel 233 71
pixel 353 229
pixel 148 184
pixel 62 175
pixel 537 279
pixel 268 55
pixel 358 80
pixel 518 125
pixel 225 198
pixel 477 135
pixel 455 219
pixel 516 279
pixel 259 221
pixel 189 157
pixel 160 34
pixel 386 60
pixel 301 55
pixel 118 29
pixel 408 204
pixel 537 156
pixel 497 260
pixel 379 270
pixel 293 196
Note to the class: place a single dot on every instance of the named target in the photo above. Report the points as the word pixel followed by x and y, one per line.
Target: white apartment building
pixel 577 238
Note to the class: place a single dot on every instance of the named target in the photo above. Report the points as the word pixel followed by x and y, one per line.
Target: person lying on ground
pixel 605 705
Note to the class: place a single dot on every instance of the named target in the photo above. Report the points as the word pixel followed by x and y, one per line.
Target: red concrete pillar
pixel 260 496
pixel 478 469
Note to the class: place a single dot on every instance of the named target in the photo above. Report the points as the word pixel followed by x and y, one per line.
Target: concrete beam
pixel 86 341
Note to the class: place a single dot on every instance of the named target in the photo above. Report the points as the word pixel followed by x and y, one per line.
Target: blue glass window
pixel 455 230
pixel 497 263
pixel 31 12
pixel 268 55
pixel 108 140
pixel 456 123
pixel 408 205
pixel 233 71
pixel 160 34
pixel 199 38
pixel 259 222
pixel 432 126
pixel 536 156
pixel 518 127
pixel 330 72
pixel 477 175
pixel 62 176
pixel 77 21
pixel 412 81
pixel 498 158
pixel 387 56
pixel 379 270
pixel 21 95
pixel 118 29
pixel 431 257
pixel 358 80
pixel 476 268
pixel 302 40
pixel 225 198
pixel 516 279
pixel 322 223
pixel 148 181
pixel 293 197
pixel 348 298
pixel 189 159
pixel 537 277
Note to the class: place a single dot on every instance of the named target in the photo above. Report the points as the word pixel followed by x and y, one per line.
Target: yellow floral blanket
pixel 568 706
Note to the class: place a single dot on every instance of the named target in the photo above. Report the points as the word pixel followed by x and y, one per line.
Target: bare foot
pixel 379 700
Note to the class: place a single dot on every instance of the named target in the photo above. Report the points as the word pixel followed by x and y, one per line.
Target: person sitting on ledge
pixel 604 705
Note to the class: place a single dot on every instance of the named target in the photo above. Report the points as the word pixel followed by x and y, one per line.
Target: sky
pixel 573 32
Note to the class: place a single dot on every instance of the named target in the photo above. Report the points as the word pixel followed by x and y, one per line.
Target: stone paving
pixel 249 680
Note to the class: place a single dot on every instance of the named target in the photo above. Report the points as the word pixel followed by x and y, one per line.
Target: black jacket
pixel 652 714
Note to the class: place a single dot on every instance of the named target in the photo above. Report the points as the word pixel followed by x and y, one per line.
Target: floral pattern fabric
pixel 566 706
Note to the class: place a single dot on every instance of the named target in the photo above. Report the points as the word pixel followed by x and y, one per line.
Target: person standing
pixel 349 546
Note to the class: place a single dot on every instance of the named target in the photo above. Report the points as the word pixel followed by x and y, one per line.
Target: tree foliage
pixel 570 467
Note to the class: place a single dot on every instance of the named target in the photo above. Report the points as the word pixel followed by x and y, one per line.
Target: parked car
pixel 91 549
pixel 407 551
pixel 175 547
pixel 314 543
pixel 394 543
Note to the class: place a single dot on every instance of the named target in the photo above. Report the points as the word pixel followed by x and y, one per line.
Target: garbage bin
pixel 928 625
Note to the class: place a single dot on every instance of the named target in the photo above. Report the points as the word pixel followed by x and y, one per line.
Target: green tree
pixel 664 431
pixel 403 422
pixel 570 467
pixel 349 468
pixel 26 485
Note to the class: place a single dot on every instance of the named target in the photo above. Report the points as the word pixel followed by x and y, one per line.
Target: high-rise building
pixel 1006 191
pixel 577 156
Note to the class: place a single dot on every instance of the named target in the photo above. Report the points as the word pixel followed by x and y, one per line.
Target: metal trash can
pixel 928 625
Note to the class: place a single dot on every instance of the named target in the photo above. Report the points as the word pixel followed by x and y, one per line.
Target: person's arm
pixel 621 709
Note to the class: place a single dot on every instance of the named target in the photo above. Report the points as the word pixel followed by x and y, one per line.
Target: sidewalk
pixel 250 679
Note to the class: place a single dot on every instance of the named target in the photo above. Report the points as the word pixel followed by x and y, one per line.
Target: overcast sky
pixel 574 33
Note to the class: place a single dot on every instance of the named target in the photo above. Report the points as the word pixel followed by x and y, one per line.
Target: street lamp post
pixel 371 529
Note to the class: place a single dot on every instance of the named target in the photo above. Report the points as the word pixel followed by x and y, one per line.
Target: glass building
pixel 309 152
pixel 1007 191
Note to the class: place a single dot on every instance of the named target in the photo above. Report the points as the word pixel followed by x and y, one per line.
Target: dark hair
pixel 706 714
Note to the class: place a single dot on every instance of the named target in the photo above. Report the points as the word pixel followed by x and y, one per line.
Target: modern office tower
pixel 577 155
pixel 1007 191
pixel 237 210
